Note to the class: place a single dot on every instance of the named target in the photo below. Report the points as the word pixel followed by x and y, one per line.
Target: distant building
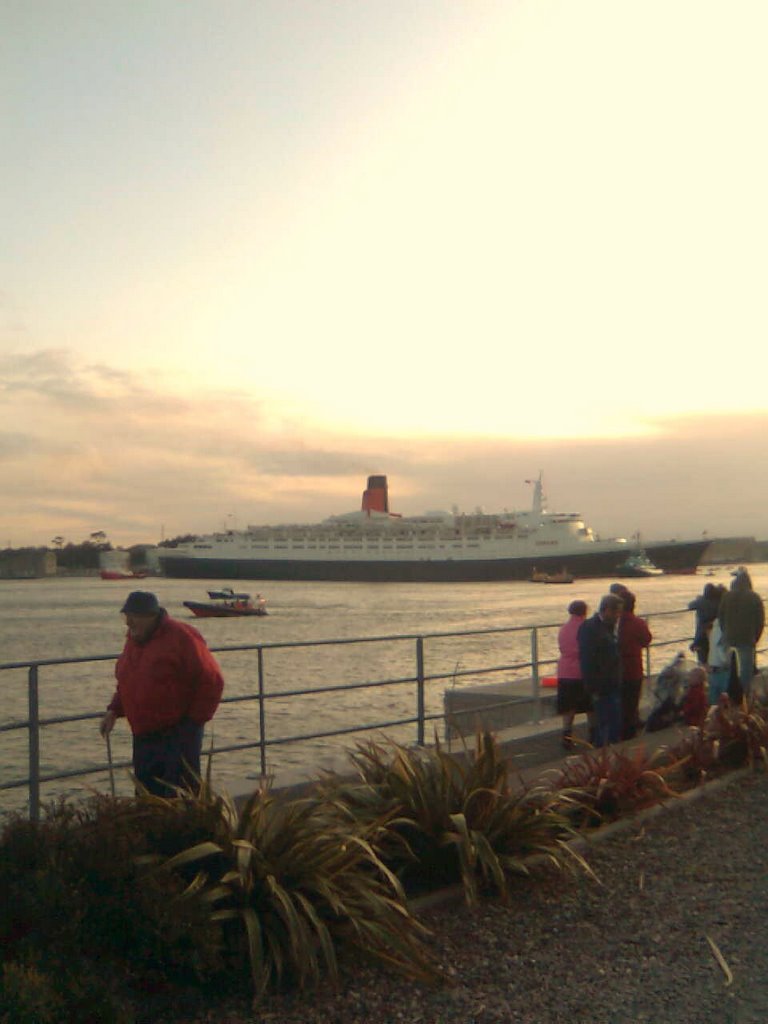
pixel 27 564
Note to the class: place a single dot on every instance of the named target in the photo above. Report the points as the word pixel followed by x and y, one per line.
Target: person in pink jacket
pixel 572 696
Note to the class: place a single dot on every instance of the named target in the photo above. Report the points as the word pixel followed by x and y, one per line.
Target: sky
pixel 255 250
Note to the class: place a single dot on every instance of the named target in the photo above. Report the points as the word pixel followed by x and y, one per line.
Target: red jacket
pixel 634 635
pixel 695 705
pixel 171 676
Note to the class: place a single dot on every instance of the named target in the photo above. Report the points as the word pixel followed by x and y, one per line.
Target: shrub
pixel 28 996
pixel 54 992
pixel 741 730
pixel 607 783
pixel 696 757
pixel 439 820
pixel 298 877
pixel 71 883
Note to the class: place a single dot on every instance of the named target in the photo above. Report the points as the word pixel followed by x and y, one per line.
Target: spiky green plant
pixel 439 819
pixel 298 877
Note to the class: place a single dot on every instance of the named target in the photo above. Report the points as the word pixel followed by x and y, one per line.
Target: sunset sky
pixel 254 251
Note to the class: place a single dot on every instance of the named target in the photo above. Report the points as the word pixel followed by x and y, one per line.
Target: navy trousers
pixel 169 757
pixel 608 714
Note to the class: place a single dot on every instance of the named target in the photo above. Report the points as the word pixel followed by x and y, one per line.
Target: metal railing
pixel 421 678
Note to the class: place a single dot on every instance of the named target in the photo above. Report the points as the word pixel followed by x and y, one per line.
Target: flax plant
pixel 439 819
pixel 297 878
pixel 607 783
pixel 741 731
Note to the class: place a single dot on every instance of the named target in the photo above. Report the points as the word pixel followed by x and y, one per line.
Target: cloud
pixel 101 448
pixel 14 444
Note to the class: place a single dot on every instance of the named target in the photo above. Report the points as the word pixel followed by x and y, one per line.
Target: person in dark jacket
pixel 601 667
pixel 742 619
pixel 706 606
pixel 168 686
pixel 634 637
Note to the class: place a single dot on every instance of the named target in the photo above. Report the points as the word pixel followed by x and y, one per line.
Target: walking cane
pixel 111 766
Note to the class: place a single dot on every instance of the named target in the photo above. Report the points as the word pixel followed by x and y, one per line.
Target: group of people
pixel 729 624
pixel 600 669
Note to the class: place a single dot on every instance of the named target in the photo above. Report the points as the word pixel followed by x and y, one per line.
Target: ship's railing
pixel 534 666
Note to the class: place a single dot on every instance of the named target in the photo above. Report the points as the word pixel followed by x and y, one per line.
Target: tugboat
pixel 638 565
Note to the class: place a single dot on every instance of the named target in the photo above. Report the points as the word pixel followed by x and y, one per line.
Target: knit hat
pixel 141 602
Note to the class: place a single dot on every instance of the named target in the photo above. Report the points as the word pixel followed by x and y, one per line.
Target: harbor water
pixel 80 618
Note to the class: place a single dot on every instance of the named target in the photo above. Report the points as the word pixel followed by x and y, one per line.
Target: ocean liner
pixel 375 544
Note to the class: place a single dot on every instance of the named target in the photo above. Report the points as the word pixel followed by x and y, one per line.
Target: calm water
pixel 47 619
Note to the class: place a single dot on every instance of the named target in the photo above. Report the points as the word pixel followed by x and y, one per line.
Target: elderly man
pixel 168 686
pixel 600 662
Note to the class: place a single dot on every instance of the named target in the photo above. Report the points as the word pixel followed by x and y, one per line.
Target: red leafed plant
pixel 602 785
pixel 741 731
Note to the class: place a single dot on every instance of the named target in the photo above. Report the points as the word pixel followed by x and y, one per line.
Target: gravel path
pixel 632 948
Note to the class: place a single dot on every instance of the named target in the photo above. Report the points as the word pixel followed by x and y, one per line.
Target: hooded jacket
pixel 169 677
pixel 742 616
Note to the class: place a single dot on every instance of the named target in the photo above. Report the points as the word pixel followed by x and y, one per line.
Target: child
pixel 696 702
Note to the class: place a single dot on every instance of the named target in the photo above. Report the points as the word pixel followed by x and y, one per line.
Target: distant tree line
pixel 84 555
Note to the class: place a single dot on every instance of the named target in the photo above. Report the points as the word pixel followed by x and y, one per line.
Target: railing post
pixel 420 690
pixel 33 697
pixel 648 653
pixel 262 715
pixel 535 671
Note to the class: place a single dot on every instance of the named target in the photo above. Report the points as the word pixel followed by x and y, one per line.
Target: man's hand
pixel 107 723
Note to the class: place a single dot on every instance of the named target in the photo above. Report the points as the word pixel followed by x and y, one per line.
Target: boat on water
pixel 376 545
pixel 228 605
pixel 552 577
pixel 117 574
pixel 638 565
